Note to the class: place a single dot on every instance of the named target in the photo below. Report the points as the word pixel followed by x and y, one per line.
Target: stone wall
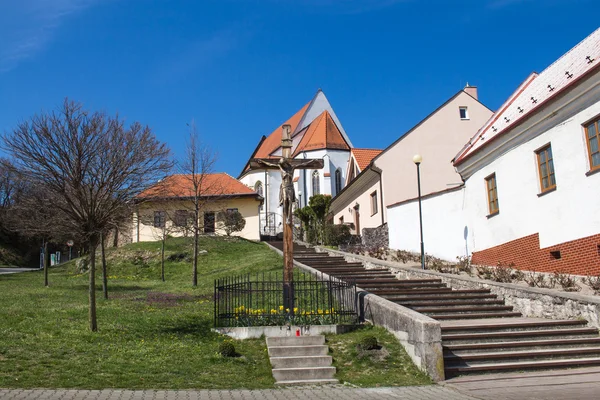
pixel 375 237
pixel 531 302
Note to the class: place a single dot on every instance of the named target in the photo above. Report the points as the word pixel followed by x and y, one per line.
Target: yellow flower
pixel 287 310
pixel 295 309
pixel 280 308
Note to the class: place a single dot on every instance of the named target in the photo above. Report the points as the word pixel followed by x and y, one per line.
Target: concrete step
pixel 301 362
pixel 398 285
pixel 279 341
pixel 515 325
pixel 452 308
pixel 308 382
pixel 483 337
pixel 407 282
pixel 465 358
pixel 292 351
pixel 303 374
pixel 491 314
pixel 525 344
pixel 451 302
pixel 433 293
pixel 522 366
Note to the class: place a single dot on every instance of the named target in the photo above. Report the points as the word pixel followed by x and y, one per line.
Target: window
pixel 232 210
pixel 342 221
pixel 159 219
pixel 181 218
pixel 463 112
pixel 546 168
pixel 492 193
pixel 316 185
pixel 374 203
pixel 338 181
pixel 258 188
pixel 592 134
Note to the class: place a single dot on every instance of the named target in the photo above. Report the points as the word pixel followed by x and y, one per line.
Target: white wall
pixel 445 233
pixel 570 212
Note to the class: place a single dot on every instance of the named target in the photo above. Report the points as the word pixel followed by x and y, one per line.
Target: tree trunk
pixel 92 289
pixel 46 257
pixel 116 237
pixel 162 257
pixel 196 234
pixel 104 272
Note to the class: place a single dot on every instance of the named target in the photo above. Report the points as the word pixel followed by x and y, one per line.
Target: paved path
pixel 4 271
pixel 572 384
pixel 432 392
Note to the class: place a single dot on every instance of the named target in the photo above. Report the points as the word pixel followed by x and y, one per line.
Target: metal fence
pixel 257 300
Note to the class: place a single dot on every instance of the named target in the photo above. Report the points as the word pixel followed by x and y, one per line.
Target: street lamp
pixel 417 160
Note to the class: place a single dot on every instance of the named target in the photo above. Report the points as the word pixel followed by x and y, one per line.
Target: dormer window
pixel 464 114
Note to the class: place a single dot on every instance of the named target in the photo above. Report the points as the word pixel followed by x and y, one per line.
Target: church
pixel 316 133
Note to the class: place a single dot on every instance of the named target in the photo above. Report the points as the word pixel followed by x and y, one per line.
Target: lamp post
pixel 417 160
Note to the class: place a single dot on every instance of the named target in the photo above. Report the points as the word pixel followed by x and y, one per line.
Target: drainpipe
pixel 266 203
pixel 304 182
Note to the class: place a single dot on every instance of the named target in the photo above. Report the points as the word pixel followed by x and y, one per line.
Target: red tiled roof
pixel 364 157
pixel 219 184
pixel 273 141
pixel 536 91
pixel 322 133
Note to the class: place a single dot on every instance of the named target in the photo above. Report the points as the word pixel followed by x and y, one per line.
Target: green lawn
pixel 152 335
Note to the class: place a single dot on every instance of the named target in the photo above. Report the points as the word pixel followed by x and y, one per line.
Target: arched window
pixel 338 181
pixel 316 185
pixel 258 188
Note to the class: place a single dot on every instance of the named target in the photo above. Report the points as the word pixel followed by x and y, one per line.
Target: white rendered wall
pixel 445 233
pixel 570 212
pixel 367 219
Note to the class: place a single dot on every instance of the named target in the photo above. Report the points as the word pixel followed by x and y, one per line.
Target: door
pixel 209 222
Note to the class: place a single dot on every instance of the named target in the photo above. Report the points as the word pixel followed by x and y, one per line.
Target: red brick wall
pixel 579 257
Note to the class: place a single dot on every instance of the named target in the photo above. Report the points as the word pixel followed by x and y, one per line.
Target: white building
pixel 532 182
pixel 316 133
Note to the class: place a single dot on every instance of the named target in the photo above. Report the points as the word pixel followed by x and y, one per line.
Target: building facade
pixel 316 133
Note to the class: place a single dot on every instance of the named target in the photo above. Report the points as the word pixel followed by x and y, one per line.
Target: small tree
pixel 197 165
pixel 91 167
pixel 233 221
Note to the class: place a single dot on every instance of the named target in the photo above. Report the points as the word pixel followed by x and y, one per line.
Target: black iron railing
pixel 257 300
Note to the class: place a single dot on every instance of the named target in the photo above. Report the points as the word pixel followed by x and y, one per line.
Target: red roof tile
pixel 364 157
pixel 273 141
pixel 322 133
pixel 219 184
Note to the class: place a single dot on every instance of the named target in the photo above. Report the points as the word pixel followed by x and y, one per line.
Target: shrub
pixel 463 264
pixel 593 282
pixel 233 221
pixel 539 280
pixel 485 272
pixel 227 349
pixel 368 343
pixel 334 235
pixel 567 282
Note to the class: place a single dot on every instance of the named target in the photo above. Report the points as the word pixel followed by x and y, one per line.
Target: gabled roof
pixel 273 141
pixel 180 186
pixel 536 91
pixel 322 133
pixel 364 157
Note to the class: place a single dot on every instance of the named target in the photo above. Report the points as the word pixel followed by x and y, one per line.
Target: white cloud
pixel 27 26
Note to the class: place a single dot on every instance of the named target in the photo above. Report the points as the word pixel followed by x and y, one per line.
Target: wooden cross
pixel 286 164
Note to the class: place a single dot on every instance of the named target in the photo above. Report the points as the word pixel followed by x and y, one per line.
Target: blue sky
pixel 241 67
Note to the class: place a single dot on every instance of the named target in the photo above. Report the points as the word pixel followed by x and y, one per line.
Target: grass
pixel 387 366
pixel 151 334
pixel 154 334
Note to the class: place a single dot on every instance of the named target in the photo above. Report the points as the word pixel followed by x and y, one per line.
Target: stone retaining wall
pixel 531 302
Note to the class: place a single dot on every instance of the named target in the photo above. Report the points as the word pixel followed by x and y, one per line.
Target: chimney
pixel 471 90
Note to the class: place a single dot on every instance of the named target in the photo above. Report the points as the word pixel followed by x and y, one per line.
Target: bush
pixel 334 235
pixel 233 221
pixel 227 349
pixel 368 343
pixel 567 282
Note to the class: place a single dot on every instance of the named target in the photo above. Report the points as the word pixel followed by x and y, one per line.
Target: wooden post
pixel 288 236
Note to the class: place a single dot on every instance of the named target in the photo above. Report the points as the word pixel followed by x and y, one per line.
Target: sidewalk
pixel 432 392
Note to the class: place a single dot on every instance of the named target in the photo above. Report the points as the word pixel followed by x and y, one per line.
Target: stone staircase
pixel 480 333
pixel 302 360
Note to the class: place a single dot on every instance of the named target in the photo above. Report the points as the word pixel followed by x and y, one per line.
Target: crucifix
pixel 286 164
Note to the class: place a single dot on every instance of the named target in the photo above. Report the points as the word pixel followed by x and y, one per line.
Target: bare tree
pixel 198 164
pixel 91 165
